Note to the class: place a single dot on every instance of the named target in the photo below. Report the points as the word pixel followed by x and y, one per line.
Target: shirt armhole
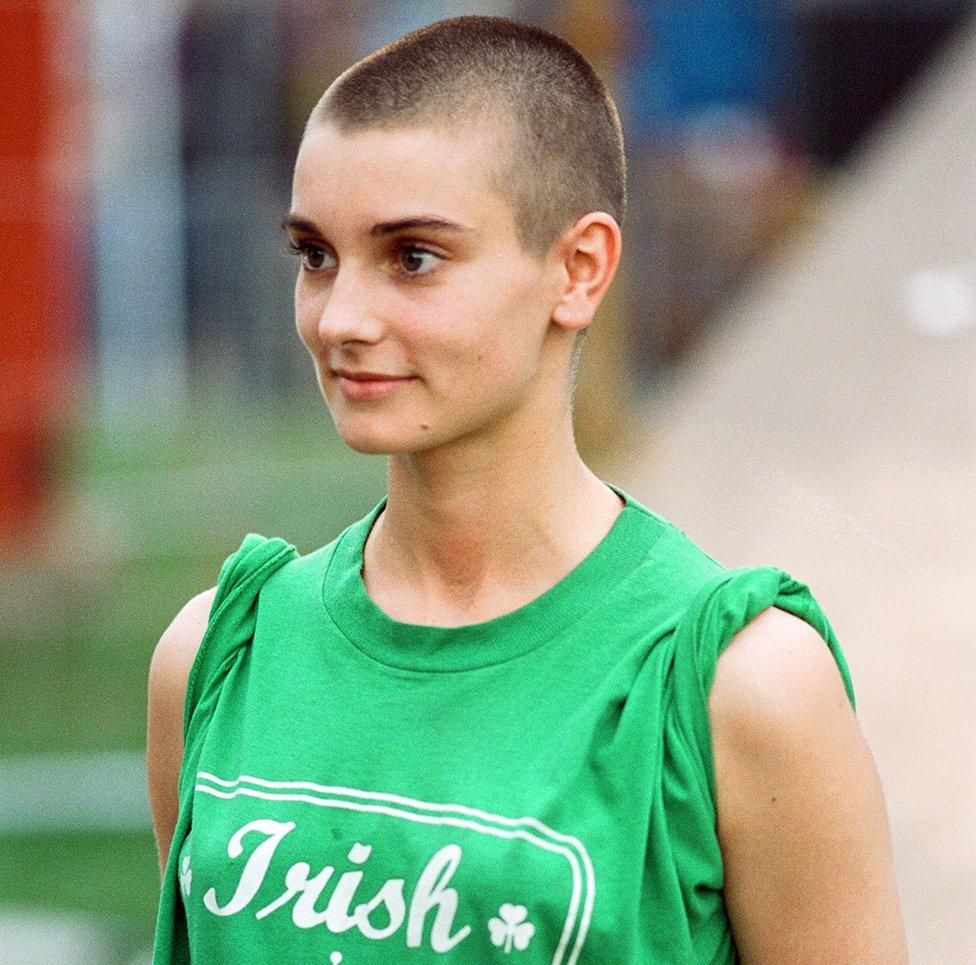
pixel 230 628
pixel 717 612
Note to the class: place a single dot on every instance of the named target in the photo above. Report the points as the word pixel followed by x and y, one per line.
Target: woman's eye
pixel 314 258
pixel 417 261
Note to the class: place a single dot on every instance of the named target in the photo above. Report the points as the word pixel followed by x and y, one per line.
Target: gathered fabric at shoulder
pixel 232 615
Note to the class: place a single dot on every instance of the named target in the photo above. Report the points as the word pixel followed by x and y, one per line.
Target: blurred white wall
pixel 137 207
pixel 828 426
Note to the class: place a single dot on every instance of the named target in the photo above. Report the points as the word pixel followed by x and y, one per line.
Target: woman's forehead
pixel 380 175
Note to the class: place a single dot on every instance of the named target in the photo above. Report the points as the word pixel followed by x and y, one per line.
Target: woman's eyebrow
pixel 430 223
pixel 296 222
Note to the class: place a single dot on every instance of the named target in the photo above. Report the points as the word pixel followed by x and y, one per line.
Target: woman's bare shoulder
pixel 801 816
pixel 178 646
pixel 168 673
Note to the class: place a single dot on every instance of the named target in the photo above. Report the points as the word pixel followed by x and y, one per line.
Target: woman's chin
pixel 374 442
pixel 368 447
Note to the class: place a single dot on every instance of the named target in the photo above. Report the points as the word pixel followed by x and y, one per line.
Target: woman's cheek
pixel 302 326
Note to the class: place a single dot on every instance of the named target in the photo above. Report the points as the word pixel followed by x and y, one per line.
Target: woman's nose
pixel 348 311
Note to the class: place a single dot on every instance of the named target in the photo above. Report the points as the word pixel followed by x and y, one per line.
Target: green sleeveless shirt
pixel 534 788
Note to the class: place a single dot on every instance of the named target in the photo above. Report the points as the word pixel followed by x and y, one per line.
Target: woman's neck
pixel 466 540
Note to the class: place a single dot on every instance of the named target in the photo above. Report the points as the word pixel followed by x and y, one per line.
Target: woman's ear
pixel 589 253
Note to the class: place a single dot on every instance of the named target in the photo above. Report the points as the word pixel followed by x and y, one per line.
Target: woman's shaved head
pixel 560 146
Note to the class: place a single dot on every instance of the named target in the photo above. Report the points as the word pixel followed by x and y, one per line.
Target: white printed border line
pixel 425 812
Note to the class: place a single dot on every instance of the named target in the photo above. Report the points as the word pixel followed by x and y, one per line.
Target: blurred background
pixel 785 367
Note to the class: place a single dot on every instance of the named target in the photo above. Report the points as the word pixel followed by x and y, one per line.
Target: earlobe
pixel 572 312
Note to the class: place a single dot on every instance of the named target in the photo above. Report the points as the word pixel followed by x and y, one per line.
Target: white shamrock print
pixel 510 928
pixel 185 875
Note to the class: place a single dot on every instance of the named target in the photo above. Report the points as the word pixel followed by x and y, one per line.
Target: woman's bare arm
pixel 168 672
pixel 801 815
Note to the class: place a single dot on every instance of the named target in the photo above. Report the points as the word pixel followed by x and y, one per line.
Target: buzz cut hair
pixel 561 146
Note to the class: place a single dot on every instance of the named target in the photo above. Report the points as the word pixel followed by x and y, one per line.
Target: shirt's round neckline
pixel 413 646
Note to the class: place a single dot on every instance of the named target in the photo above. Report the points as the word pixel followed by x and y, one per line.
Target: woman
pixel 490 718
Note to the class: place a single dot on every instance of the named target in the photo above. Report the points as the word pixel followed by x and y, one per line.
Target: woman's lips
pixel 359 387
